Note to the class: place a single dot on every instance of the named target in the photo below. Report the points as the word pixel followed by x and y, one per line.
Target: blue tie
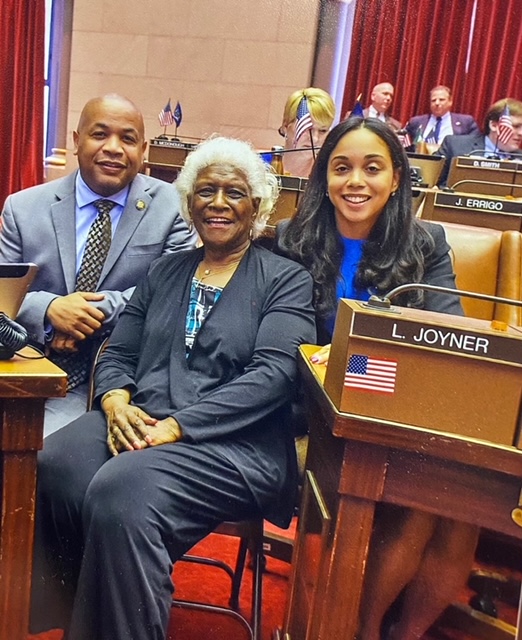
pixel 436 131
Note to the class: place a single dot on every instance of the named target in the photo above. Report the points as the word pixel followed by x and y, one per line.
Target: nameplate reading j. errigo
pixel 477 203
pixel 491 345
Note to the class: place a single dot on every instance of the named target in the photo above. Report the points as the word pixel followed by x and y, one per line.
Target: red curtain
pixel 22 28
pixel 495 69
pixel 418 45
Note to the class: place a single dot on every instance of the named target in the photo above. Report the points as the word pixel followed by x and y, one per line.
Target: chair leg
pixel 238 573
pixel 251 538
pixel 257 590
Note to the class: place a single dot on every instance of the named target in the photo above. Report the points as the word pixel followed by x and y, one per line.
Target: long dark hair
pixel 396 249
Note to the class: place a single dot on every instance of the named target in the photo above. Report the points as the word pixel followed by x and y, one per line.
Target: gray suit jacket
pixel 38 225
pixel 453 146
pixel 391 122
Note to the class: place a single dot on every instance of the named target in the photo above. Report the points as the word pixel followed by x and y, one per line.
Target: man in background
pixel 493 143
pixel 381 100
pixel 93 235
pixel 441 122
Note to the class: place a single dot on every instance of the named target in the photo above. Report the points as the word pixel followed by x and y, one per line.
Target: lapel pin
pixel 140 205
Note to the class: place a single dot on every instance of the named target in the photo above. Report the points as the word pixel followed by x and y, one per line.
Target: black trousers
pixel 108 529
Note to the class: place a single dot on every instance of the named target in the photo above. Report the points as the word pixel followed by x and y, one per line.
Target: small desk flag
pixel 303 119
pixel 165 116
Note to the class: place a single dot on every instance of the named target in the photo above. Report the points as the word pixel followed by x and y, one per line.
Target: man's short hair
pixel 441 87
pixel 496 110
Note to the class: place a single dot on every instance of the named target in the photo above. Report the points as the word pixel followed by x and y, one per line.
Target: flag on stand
pixel 165 116
pixel 357 111
pixel 505 126
pixel 430 138
pixel 404 138
pixel 418 136
pixel 178 114
pixel 303 120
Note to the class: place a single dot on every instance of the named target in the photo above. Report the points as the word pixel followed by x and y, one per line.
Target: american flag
pixel 178 114
pixel 505 126
pixel 303 120
pixel 431 138
pixel 404 138
pixel 371 374
pixel 165 116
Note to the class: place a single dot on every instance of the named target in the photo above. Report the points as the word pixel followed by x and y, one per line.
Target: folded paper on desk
pixel 431 370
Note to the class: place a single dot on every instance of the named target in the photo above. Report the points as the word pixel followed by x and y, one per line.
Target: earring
pixel 327 194
pixel 191 225
pixel 393 194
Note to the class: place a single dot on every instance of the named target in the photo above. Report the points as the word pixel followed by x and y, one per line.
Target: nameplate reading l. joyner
pixel 501 347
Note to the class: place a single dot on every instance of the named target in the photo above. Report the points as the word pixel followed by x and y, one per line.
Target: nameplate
pixel 171 144
pixel 292 183
pixel 477 203
pixel 504 348
pixel 487 163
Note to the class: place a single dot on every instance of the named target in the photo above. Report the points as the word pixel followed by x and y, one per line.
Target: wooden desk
pixel 353 463
pixel 24 387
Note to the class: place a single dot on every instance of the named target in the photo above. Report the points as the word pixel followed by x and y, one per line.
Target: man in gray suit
pixel 49 225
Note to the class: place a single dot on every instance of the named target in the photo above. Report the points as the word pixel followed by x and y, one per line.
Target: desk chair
pixel 250 534
pixel 486 261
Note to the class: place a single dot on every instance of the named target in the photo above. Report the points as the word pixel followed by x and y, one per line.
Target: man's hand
pixel 75 316
pixel 63 343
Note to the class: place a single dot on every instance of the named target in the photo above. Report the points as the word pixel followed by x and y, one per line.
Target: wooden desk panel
pixel 358 463
pixel 24 387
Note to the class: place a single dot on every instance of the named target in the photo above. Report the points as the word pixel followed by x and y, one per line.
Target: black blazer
pixel 231 393
pixel 453 146
pixel 438 271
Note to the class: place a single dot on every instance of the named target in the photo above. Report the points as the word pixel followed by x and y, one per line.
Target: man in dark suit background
pixel 381 99
pixel 487 144
pixel 49 225
pixel 441 122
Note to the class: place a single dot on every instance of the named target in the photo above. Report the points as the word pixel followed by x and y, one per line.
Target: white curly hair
pixel 240 155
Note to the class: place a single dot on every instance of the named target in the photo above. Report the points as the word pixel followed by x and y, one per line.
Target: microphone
pixel 480 153
pixel 384 302
pixel 13 337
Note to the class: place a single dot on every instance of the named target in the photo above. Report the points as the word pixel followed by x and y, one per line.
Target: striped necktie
pixel 77 365
pixel 96 248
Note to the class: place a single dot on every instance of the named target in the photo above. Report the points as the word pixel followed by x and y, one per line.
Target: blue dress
pixel 346 287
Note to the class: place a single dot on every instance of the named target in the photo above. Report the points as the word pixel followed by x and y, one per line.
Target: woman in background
pixel 355 232
pixel 299 156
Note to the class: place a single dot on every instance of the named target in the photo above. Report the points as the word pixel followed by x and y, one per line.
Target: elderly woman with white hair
pixel 190 427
